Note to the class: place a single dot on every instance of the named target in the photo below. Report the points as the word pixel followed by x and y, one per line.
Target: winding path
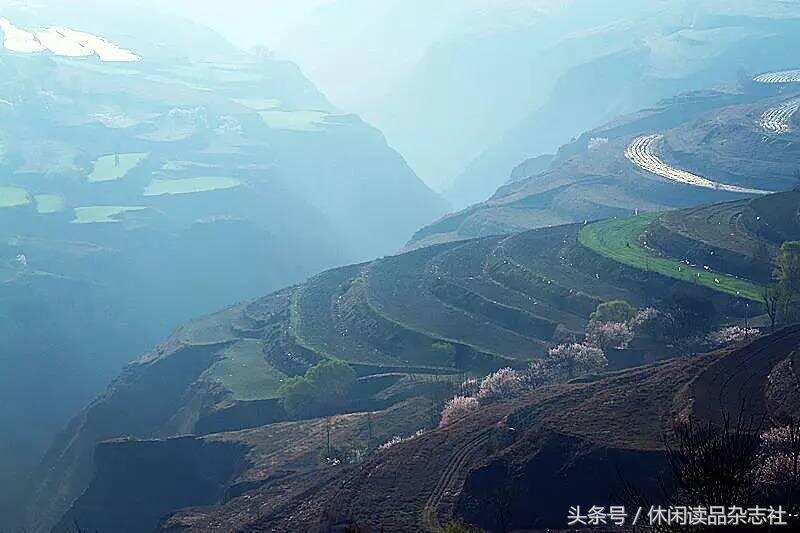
pixel 776 119
pixel 643 152
pixel 448 483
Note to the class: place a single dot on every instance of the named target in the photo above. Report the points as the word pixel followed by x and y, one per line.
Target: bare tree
pixel 707 464
pixel 772 299
pixel 714 465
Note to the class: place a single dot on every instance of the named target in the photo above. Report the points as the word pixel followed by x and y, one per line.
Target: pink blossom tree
pixel 503 384
pixel 779 457
pixel 606 335
pixel 731 335
pixel 457 408
pixel 565 362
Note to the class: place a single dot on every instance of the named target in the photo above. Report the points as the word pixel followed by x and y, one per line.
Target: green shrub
pixel 613 311
pixel 300 397
pixel 322 390
pixel 447 351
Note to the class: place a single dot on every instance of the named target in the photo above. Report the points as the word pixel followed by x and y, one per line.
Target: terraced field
pixel 49 203
pixel 243 371
pixel 500 300
pixel 784 76
pixel 624 240
pixel 774 218
pixel 403 288
pixel 777 119
pixel 714 226
pixel 429 316
pixel 481 303
pixel 162 187
pixel 643 152
pixel 478 304
pixel 114 167
pixel 736 237
pixel 294 120
pixel 13 197
pixel 102 214
pixel 262 104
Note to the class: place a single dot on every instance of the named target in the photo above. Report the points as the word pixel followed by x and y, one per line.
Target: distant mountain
pixel 722 136
pixel 648 55
pixel 513 77
pixel 150 171
pixel 425 69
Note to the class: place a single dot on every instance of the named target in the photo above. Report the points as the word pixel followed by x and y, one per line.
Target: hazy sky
pixel 372 41
pixel 247 22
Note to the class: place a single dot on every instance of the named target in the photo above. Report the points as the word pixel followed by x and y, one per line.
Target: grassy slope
pixel 245 372
pixel 618 239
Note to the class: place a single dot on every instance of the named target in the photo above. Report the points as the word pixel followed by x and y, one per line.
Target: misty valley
pixel 399 266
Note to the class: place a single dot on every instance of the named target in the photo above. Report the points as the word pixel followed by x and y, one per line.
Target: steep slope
pixel 432 67
pixel 222 466
pixel 573 444
pixel 511 76
pixel 446 310
pixel 136 194
pixel 692 149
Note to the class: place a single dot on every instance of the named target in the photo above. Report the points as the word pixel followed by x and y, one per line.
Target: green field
pixel 49 203
pixel 189 185
pixel 101 214
pixel 13 197
pixel 107 168
pixel 179 165
pixel 294 120
pixel 618 239
pixel 245 372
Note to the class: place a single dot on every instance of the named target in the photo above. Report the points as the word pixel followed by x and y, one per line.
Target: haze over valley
pixel 345 265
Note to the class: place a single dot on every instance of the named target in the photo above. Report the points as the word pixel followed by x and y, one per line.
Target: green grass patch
pixel 13 197
pixel 49 203
pixel 294 120
pixel 244 371
pixel 102 214
pixel 114 167
pixel 618 239
pixel 189 185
